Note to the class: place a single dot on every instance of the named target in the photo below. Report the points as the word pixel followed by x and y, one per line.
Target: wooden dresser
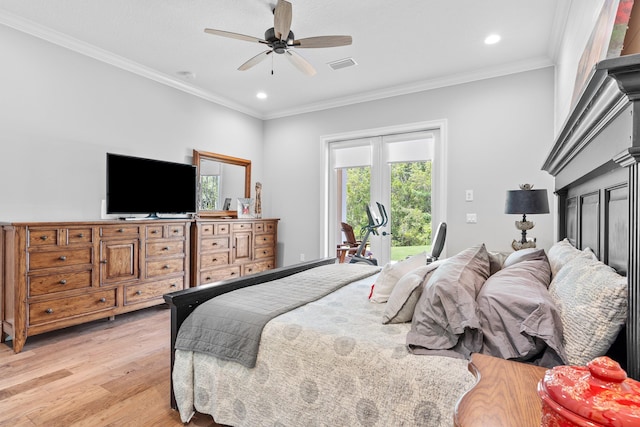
pixel 58 274
pixel 224 249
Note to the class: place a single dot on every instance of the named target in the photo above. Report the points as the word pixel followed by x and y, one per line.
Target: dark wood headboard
pixel 595 162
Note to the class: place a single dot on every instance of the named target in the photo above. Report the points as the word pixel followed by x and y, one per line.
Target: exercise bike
pixel 375 222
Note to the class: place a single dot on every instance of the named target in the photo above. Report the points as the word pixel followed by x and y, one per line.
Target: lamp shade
pixel 526 202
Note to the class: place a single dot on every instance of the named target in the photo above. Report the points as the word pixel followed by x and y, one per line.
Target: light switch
pixel 468 195
pixel 472 218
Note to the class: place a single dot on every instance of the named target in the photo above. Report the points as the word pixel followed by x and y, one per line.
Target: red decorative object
pixel 596 395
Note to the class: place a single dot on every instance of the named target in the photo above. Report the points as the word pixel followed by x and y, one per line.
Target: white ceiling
pixel 400 46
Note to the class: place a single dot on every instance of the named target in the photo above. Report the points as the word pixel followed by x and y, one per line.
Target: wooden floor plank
pixel 103 373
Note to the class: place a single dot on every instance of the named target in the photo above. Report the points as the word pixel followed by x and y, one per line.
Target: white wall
pixel 499 132
pixel 60 112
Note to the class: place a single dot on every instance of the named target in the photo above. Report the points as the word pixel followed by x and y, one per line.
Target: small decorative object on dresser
pixel 258 206
pixel 526 201
pixel 244 208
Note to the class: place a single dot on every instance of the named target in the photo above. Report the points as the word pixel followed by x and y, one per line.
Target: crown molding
pixel 89 50
pixel 452 80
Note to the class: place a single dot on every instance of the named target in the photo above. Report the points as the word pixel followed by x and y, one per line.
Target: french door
pixel 395 170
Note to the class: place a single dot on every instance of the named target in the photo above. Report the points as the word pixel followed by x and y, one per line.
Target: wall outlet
pixel 301 257
pixel 472 218
pixel 468 195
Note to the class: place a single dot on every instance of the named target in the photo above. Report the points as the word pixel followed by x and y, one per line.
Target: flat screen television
pixel 136 185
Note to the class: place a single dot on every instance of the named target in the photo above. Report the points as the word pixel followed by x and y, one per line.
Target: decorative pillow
pixel 391 273
pixel 526 255
pixel 592 299
pixel 446 315
pixel 519 319
pixel 496 259
pixel 405 294
pixel 562 252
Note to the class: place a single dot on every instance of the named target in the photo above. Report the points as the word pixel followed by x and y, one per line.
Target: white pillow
pixel 592 300
pixel 562 252
pixel 391 273
pixel 405 295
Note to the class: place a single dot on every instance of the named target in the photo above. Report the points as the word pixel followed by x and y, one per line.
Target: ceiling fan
pixel 280 39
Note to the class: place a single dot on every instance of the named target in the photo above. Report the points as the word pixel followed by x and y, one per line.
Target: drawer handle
pixel 264 252
pixel 176 231
pixel 44 237
pixel 49 310
pixel 166 248
pixel 63 258
pixel 121 230
pixel 166 266
pixel 214 244
pixel 173 285
pixel 233 273
pixel 207 278
pixel 264 239
pixel 81 235
pixel 250 270
pixel 103 299
pixel 138 292
pixel 214 260
pixel 154 232
pixel 63 282
pixel 104 261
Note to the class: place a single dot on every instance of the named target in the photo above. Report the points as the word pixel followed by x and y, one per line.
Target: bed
pixel 351 372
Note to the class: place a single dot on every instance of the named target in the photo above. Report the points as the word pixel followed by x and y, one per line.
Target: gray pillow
pixel 405 294
pixel 519 319
pixel 525 255
pixel 592 299
pixel 446 315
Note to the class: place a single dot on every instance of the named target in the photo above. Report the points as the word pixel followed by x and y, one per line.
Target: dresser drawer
pixel 175 231
pixel 242 226
pixel 63 308
pixel 257 267
pixel 215 244
pixel 62 258
pixel 270 227
pixel 258 227
pixel 146 291
pixel 207 229
pixel 153 231
pixel 51 283
pixel 214 259
pixel 76 236
pixel 264 253
pixel 43 237
pixel 221 274
pixel 265 240
pixel 163 267
pixel 165 248
pixel 222 229
pixel 120 231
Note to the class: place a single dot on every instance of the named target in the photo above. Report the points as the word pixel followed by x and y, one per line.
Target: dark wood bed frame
pixel 595 162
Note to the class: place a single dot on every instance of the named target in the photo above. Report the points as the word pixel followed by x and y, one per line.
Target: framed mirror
pixel 221 181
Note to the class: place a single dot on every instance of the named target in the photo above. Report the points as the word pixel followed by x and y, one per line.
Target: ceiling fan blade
pixel 282 19
pixel 323 41
pixel 255 60
pixel 233 35
pixel 300 63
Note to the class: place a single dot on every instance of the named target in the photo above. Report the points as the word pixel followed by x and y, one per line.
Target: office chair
pixel 438 242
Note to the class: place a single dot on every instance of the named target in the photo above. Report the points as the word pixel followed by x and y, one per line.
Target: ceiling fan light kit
pixel 281 40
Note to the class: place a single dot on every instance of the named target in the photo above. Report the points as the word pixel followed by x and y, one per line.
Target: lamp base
pixel 517 244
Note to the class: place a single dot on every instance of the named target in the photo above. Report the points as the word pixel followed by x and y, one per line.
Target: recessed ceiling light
pixel 261 95
pixel 492 39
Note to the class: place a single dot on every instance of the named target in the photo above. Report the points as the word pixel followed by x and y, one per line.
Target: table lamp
pixel 526 201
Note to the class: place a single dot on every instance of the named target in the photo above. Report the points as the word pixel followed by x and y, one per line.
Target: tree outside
pixel 410 205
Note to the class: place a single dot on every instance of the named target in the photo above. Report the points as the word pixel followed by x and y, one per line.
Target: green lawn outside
pixel 401 252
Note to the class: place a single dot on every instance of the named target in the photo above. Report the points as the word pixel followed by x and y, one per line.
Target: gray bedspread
pixel 229 326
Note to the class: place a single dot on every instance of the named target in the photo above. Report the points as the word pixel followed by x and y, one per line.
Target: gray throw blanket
pixel 229 326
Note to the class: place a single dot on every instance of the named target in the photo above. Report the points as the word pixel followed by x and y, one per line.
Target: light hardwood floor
pixel 104 373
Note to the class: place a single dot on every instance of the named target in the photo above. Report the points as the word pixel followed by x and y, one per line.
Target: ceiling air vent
pixel 342 63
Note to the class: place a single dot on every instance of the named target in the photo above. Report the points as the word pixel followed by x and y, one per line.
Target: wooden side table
pixel 505 395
